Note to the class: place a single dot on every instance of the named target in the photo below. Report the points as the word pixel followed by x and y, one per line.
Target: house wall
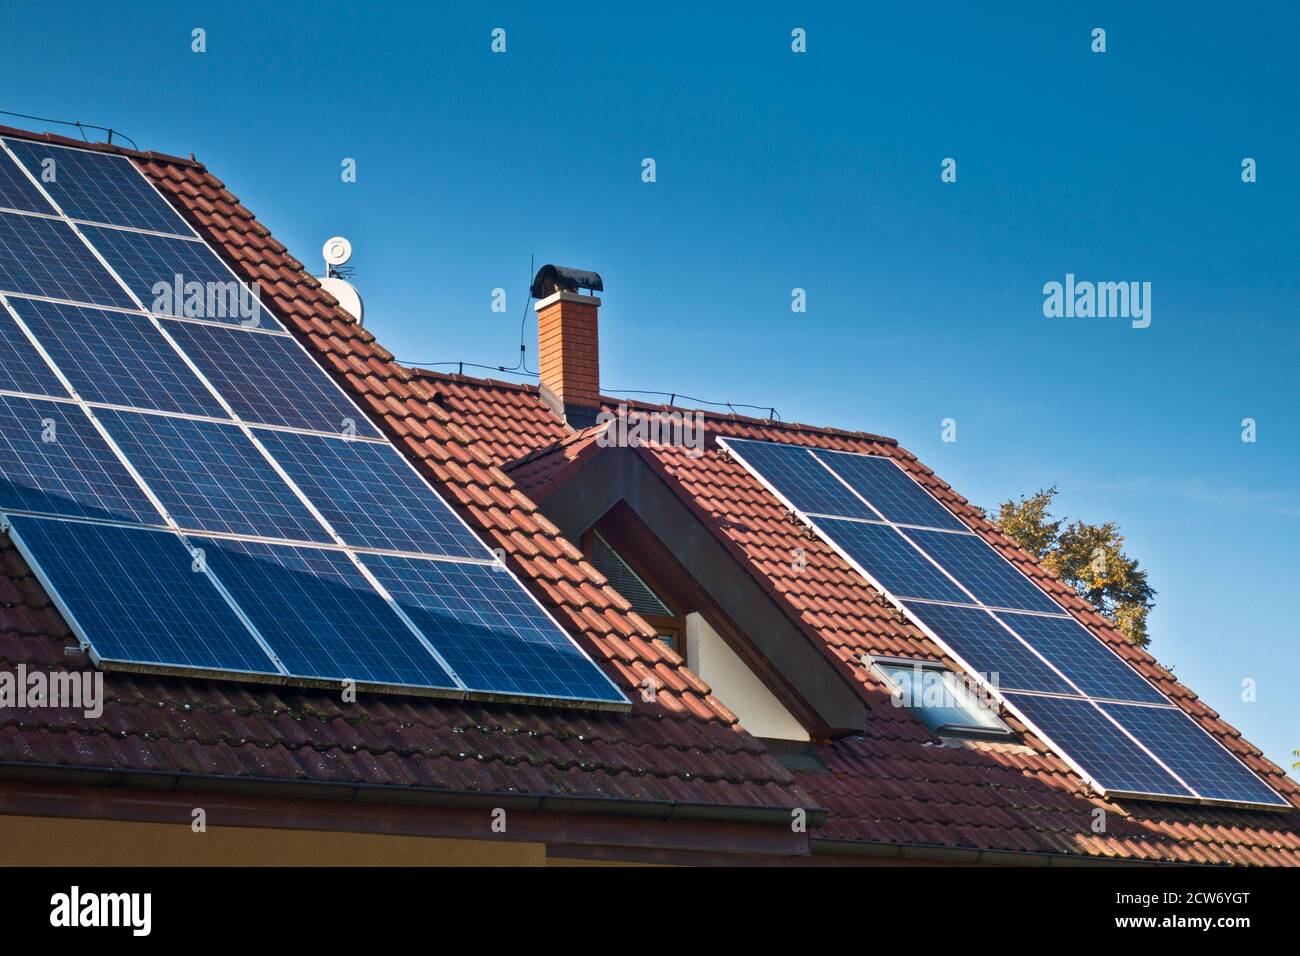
pixel 53 841
pixel 735 684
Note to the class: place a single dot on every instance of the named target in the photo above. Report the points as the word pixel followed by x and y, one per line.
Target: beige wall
pixel 58 841
pixel 735 684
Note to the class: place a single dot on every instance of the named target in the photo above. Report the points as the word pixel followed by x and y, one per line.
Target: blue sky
pixel 819 171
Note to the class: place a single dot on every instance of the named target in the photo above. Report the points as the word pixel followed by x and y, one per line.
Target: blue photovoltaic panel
pixel 985 573
pixel 98 187
pixel 44 257
pixel 884 554
pixel 17 191
pixel 1083 733
pixel 136 597
pixel 800 478
pixel 1197 758
pixel 493 634
pixel 989 648
pixel 210 477
pixel 371 496
pixel 268 379
pixel 144 260
pixel 320 616
pixel 117 358
pixel 53 461
pixel 1083 658
pixel 21 367
pixel 890 490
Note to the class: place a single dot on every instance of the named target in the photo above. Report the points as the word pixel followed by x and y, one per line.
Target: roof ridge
pixel 13 132
pixel 799 427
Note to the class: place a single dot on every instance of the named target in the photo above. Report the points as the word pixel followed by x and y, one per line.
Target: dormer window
pixel 669 625
pixel 948 704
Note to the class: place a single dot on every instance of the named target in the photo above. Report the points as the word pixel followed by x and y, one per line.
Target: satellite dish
pixel 349 298
pixel 337 251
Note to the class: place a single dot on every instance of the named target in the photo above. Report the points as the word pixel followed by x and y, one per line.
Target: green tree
pixel 1088 557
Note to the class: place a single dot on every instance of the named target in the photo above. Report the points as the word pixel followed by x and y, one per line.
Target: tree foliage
pixel 1088 557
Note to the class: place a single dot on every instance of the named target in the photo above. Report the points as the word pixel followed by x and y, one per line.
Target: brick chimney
pixel 568 352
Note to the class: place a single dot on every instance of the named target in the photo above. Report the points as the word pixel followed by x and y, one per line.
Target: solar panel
pixel 989 624
pixel 44 257
pixel 1196 757
pixel 268 379
pixel 492 633
pixel 117 358
pixel 17 191
pixel 53 461
pixel 147 419
pixel 1095 669
pixel 210 477
pixel 892 492
pixel 371 496
pixel 888 557
pixel 21 367
pixel 173 276
pixel 134 596
pixel 1078 728
pixel 985 573
pixel 987 647
pixel 802 480
pixel 320 615
pixel 98 187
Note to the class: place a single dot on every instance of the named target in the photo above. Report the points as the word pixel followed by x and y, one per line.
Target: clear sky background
pixel 819 171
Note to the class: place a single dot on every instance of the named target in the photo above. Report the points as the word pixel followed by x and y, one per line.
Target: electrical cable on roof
pixel 80 127
pixel 772 413
pixel 520 367
pixel 464 365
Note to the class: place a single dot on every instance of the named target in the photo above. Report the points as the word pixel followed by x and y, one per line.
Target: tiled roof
pixel 842 610
pixel 898 782
pixel 682 747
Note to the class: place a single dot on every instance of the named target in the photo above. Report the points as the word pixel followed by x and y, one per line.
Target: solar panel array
pixel 199 496
pixel 1076 693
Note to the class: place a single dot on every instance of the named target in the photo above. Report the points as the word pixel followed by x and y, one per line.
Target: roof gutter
pixel 365 793
pixel 935 853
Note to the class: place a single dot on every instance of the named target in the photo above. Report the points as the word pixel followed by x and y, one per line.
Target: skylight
pixel 940 698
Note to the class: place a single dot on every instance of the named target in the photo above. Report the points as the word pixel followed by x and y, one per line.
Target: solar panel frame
pixel 371 495
pixel 117 358
pixel 143 260
pixel 68 470
pixel 45 258
pixel 1080 733
pixel 888 560
pixel 22 367
pixel 211 477
pixel 134 600
pixel 789 464
pixel 888 487
pixel 17 191
pixel 1208 768
pixel 439 597
pixel 269 379
pixel 322 617
pixel 983 571
pixel 1094 668
pixel 99 187
pixel 976 638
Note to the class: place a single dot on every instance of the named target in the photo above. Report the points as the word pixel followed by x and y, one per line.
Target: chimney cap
pixel 551 279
